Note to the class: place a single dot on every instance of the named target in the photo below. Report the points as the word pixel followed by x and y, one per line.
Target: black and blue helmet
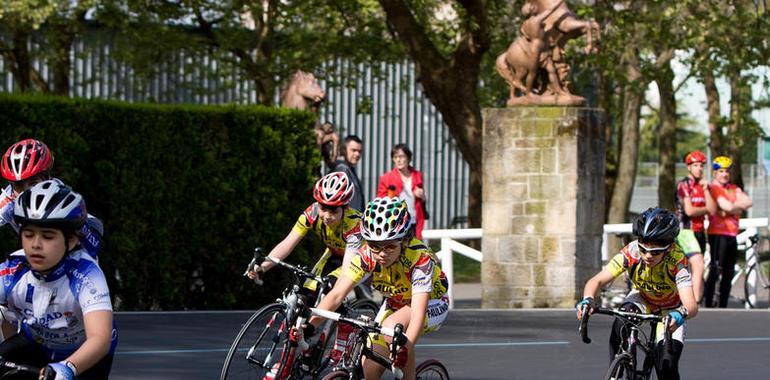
pixel 657 225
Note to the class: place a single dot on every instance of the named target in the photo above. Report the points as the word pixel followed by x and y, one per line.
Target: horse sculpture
pixel 304 93
pixel 534 65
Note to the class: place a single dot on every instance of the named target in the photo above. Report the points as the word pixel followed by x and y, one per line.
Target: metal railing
pixel 448 246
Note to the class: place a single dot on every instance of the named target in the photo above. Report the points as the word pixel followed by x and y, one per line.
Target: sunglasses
pixel 379 246
pixel 655 251
pixel 328 208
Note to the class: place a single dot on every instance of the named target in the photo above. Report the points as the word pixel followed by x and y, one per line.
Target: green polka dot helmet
pixel 385 219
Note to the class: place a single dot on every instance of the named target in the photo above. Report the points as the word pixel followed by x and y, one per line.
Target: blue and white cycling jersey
pixel 51 309
pixel 90 235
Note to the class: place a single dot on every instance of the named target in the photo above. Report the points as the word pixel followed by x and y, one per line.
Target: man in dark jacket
pixel 351 153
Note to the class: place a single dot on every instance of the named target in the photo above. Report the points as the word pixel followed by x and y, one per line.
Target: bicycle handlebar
pixel 627 315
pixel 260 257
pixel 48 373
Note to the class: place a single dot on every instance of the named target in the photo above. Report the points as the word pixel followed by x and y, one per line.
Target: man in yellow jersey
pixel 662 283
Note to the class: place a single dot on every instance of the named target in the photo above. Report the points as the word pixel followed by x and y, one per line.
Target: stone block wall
pixel 543 204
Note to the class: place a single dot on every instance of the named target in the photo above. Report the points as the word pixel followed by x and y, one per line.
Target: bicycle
pixel 624 364
pixel 12 369
pixel 754 272
pixel 272 338
pixel 351 365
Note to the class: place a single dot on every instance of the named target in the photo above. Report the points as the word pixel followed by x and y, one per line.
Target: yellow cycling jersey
pixel 417 270
pixel 659 285
pixel 337 238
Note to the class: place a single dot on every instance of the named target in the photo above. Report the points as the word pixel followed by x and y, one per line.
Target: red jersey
pixel 689 188
pixel 724 225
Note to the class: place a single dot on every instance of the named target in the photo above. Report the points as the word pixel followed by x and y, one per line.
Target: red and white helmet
pixel 695 156
pixel 26 159
pixel 333 189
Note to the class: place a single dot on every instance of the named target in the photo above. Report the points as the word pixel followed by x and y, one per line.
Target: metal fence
pixel 386 106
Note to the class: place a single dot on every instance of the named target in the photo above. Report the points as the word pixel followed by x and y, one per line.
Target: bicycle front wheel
pixel 621 368
pixel 431 370
pixel 756 280
pixel 260 347
pixel 365 307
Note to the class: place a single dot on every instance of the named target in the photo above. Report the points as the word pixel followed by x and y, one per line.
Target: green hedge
pixel 185 192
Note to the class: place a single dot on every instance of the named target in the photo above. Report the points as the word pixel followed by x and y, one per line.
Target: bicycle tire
pixel 252 335
pixel 337 375
pixel 365 307
pixel 620 368
pixel 431 369
pixel 762 280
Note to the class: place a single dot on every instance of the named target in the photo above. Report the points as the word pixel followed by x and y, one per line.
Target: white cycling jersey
pixel 50 308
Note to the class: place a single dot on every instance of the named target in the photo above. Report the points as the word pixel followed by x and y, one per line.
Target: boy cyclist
pixel 658 269
pixel 407 273
pixel 26 163
pixel 333 222
pixel 693 202
pixel 56 290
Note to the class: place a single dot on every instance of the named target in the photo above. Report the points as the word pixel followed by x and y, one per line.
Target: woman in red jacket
pixel 405 182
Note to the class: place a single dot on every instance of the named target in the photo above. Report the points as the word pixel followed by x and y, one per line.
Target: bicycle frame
pixel 353 364
pixel 632 341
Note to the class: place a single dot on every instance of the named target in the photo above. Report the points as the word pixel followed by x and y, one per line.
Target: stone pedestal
pixel 543 204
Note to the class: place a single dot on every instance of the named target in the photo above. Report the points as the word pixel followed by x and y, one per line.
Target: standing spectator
pixel 405 182
pixel 351 153
pixel 693 202
pixel 723 229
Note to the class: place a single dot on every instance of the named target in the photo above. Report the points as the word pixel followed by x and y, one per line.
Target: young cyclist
pixel 662 284
pixel 56 290
pixel 407 273
pixel 723 230
pixel 26 163
pixel 693 202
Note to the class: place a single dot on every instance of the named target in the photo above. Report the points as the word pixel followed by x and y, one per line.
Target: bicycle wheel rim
pixel 261 344
pixel 620 368
pixel 431 370
pixel 365 307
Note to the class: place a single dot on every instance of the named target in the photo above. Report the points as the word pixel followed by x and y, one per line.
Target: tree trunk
pixel 21 67
pixel 736 121
pixel 667 138
pixel 633 92
pixel 450 82
pixel 61 41
pixel 712 100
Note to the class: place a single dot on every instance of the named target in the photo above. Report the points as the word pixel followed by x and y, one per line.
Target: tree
pixel 61 21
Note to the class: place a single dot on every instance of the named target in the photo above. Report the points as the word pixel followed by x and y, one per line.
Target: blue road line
pixel 450 345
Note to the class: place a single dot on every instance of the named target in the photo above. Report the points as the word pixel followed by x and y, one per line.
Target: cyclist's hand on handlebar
pixel 255 274
pixel 57 371
pixel 402 357
pixel 676 320
pixel 586 303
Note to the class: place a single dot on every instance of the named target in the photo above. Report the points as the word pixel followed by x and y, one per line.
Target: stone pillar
pixel 543 204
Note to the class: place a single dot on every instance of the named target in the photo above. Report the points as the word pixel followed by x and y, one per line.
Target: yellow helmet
pixel 722 162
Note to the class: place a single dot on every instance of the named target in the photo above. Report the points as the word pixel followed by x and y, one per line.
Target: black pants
pixel 667 358
pixel 700 236
pixel 21 350
pixel 724 253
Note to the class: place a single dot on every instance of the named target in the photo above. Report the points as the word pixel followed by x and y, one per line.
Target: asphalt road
pixel 473 344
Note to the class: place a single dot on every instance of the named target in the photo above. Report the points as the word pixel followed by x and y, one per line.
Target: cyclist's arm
pixel 691 210
pixel 8 329
pixel 711 204
pixel 334 299
pixel 98 337
pixel 597 282
pixel 687 297
pixel 727 206
pixel 419 308
pixel 283 249
pixel 743 201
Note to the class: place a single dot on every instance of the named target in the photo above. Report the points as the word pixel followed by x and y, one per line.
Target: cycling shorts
pixel 435 315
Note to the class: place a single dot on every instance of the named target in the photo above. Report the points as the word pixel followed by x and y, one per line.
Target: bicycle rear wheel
pixel 431 370
pixel 621 368
pixel 261 345
pixel 758 271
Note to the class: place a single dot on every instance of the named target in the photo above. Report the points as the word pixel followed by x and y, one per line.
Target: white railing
pixel 449 245
pixel 750 226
